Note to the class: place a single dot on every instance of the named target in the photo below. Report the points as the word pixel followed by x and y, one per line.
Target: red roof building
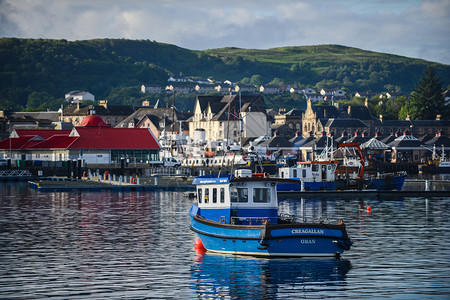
pixel 94 142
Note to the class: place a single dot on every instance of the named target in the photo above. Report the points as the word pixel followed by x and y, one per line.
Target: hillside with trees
pixel 37 73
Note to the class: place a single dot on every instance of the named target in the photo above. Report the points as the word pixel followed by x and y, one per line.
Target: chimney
pixel 377 133
pixel 408 118
pixel 381 118
pixel 78 105
pixel 344 133
pixel 323 133
pixel 365 134
pixel 406 132
pixel 358 132
pixel 104 103
pixel 366 102
pixel 438 117
pixel 398 133
pixel 349 110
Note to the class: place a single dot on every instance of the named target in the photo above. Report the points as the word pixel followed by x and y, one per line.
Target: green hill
pixel 115 68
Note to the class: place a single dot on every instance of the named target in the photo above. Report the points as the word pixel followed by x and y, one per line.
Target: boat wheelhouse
pixel 239 215
pixel 310 175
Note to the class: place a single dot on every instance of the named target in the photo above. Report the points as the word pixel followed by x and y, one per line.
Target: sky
pixel 412 28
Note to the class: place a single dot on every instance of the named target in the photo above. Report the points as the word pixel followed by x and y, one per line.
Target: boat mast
pixel 228 134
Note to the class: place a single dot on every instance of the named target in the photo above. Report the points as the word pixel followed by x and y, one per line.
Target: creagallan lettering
pixel 307 231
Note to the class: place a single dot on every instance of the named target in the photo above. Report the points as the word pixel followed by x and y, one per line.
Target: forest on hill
pixel 37 73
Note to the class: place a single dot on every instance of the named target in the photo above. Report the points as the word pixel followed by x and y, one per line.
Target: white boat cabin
pixel 244 199
pixel 314 171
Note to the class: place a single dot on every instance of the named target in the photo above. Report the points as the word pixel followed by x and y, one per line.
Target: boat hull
pixel 389 183
pixel 277 240
pixel 307 186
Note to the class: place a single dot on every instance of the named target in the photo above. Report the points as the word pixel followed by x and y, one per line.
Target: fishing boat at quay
pixel 323 175
pixel 333 175
pixel 238 214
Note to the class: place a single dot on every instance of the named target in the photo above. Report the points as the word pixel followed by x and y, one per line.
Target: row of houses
pixel 233 118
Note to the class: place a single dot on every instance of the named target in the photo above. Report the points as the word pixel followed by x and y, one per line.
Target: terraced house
pixel 221 117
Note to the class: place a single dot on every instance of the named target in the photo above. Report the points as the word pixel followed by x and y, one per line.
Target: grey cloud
pixel 417 28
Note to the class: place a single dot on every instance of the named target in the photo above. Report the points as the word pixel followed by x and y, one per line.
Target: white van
pixel 171 162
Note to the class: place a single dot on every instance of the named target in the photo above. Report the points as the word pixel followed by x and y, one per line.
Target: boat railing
pixel 384 175
pixel 286 218
pixel 250 220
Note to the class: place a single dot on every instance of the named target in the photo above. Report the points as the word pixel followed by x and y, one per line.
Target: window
pixel 304 173
pixel 199 195
pixel 222 195
pixel 239 194
pixel 214 195
pixel 294 173
pixel 206 195
pixel 261 195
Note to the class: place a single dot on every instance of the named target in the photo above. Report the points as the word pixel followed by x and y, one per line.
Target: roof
pixel 83 138
pixel 93 121
pixel 276 142
pixel 120 110
pixel 219 105
pixel 406 142
pixel 374 144
pixel 345 123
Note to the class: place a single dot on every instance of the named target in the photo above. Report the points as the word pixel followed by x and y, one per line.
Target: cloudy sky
pixel 413 28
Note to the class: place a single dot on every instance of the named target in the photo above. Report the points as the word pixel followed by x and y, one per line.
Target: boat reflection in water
pixel 242 277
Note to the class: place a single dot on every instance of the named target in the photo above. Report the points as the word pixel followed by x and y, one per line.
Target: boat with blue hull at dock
pixel 239 215
pixel 323 176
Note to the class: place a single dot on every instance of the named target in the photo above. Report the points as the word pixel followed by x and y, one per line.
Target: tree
pixel 427 100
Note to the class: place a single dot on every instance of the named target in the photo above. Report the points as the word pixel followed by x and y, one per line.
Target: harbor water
pixel 138 245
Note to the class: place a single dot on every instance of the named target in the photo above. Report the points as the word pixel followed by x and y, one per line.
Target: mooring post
pixel 427 185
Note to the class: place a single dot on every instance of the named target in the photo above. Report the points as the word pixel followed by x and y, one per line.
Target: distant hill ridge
pixel 100 65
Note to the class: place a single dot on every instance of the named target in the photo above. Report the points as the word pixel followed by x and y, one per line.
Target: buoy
pixel 369 209
pixel 199 248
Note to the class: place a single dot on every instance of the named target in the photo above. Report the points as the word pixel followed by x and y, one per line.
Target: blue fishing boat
pixel 239 215
pixel 324 176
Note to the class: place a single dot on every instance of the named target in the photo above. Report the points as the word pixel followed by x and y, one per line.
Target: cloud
pixel 415 28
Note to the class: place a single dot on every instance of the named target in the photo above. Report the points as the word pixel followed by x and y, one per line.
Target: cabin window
pixel 214 195
pixel 303 173
pixel 261 195
pixel 315 168
pixel 206 195
pixel 239 194
pixel 199 196
pixel 222 195
pixel 294 173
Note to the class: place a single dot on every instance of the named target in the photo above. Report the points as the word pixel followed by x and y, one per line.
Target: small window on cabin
pixel 294 173
pixel 239 194
pixel 304 173
pixel 315 168
pixel 199 195
pixel 222 195
pixel 206 195
pixel 214 195
pixel 261 195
